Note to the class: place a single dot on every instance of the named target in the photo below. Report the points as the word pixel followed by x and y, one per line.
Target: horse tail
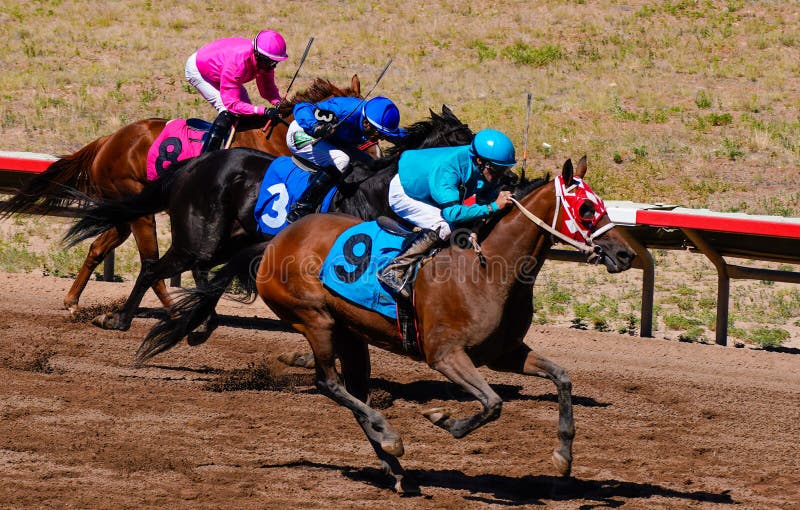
pixel 52 188
pixel 197 304
pixel 102 215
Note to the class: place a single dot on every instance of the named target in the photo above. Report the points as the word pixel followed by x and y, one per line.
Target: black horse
pixel 211 199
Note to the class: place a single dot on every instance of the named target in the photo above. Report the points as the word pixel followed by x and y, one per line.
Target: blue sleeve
pixel 444 185
pixel 487 193
pixel 304 115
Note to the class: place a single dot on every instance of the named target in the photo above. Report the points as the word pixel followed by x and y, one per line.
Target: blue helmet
pixel 495 147
pixel 383 115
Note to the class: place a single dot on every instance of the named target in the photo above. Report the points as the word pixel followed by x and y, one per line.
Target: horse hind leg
pixel 457 367
pixel 98 250
pixel 144 232
pixel 524 361
pixel 152 270
pixel 355 362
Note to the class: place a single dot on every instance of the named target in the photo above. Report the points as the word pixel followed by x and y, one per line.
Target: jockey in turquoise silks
pixel 429 190
pixel 340 126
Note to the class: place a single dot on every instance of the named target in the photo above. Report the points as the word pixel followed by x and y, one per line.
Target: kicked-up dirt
pixel 660 424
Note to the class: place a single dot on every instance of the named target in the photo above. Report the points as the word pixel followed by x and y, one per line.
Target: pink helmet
pixel 270 44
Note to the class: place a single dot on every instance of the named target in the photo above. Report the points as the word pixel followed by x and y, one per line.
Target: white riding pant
pixel 419 213
pixel 207 90
pixel 322 153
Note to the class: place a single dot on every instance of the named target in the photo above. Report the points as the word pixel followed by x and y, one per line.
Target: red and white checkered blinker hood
pixel 582 210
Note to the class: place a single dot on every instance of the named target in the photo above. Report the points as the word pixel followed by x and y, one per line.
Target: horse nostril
pixel 625 256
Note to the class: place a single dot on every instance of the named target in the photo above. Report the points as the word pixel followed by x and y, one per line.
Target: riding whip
pixel 360 103
pixel 302 59
pixel 286 94
pixel 525 141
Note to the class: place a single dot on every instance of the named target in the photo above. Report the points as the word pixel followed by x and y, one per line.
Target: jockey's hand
pixel 323 130
pixel 503 200
pixel 273 114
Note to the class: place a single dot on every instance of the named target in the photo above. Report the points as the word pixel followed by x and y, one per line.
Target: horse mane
pixel 368 177
pixel 520 191
pixel 319 89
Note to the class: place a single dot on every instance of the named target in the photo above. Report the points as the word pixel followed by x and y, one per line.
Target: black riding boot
pixel 319 186
pixel 396 274
pixel 218 132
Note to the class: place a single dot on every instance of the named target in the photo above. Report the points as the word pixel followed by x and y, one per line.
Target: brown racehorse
pixel 114 166
pixel 468 313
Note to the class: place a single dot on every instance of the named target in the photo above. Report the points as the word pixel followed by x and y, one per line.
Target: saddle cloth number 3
pixel 278 206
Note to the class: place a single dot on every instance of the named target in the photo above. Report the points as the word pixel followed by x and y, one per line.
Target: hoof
pixel 195 337
pixel 436 415
pixel 297 359
pixel 393 446
pixel 110 321
pixel 563 465
pixel 406 487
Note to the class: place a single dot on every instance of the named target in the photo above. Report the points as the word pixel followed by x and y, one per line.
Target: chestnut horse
pixel 114 166
pixel 468 313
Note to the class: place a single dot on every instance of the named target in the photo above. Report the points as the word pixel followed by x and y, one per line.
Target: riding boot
pixel 318 186
pixel 397 273
pixel 218 132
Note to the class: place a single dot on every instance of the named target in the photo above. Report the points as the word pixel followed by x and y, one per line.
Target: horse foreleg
pixel 98 250
pixel 152 270
pixel 524 361
pixel 458 367
pixel 144 232
pixel 354 356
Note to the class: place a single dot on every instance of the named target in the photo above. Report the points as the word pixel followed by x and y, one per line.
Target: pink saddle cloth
pixel 178 141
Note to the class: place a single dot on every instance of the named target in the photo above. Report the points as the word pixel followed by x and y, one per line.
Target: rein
pixel 588 247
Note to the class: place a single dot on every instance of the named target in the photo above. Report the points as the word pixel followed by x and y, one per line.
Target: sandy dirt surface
pixel 660 424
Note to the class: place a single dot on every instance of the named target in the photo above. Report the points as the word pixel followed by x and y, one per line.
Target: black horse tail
pixel 101 215
pixel 197 304
pixel 51 189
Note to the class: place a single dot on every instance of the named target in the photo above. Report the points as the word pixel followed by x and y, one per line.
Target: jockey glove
pixel 272 114
pixel 323 129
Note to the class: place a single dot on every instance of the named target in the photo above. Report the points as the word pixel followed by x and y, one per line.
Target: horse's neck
pixel 519 243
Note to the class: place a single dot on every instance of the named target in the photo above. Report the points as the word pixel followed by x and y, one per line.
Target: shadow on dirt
pixel 525 490
pixel 233 321
pixel 425 391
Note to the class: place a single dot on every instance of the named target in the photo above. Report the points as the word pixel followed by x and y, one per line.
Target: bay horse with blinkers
pixel 476 316
pixel 114 166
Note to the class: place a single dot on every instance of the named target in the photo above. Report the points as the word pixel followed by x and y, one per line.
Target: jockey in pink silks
pixel 220 69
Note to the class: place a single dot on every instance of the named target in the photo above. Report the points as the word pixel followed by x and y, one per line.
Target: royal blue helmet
pixel 495 147
pixel 383 115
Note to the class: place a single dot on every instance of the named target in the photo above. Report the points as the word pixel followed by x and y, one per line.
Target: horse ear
pixel 567 172
pixel 355 84
pixel 582 167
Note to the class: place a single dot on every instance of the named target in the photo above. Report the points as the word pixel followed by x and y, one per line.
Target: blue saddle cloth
pixel 283 184
pixel 351 267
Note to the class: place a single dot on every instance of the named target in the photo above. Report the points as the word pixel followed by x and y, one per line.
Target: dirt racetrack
pixel 660 424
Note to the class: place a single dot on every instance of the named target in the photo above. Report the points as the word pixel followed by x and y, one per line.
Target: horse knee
pixel 493 409
pixel 563 381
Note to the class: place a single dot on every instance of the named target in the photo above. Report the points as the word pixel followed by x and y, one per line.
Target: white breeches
pixel 207 90
pixel 419 213
pixel 322 153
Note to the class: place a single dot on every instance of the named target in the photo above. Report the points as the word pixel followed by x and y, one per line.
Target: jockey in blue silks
pixel 361 122
pixel 429 190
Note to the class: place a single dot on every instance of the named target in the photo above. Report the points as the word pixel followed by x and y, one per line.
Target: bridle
pixel 574 229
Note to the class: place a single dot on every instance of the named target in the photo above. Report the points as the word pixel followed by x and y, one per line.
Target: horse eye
pixel 587 210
